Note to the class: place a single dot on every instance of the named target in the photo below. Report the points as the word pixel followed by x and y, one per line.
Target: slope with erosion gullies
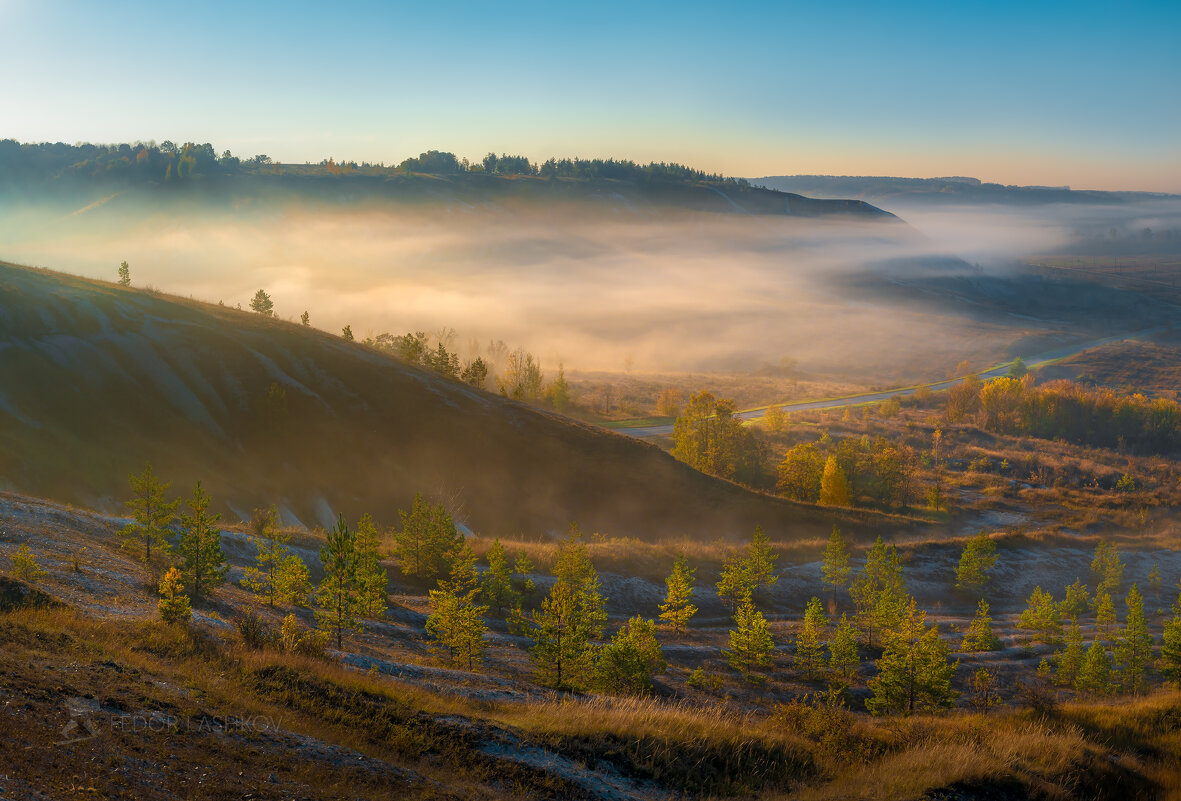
pixel 97 380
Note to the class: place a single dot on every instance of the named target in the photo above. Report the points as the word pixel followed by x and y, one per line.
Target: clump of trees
pixel 851 471
pixel 708 436
pixel 1069 411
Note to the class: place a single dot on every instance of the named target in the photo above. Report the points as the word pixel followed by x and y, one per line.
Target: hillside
pixel 952 190
pixel 100 379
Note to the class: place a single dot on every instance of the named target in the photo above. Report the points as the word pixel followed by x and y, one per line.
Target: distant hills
pixel 99 379
pixel 892 191
pixel 89 173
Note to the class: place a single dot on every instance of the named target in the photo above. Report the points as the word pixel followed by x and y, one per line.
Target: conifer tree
pixel 1107 569
pixel 1154 584
pixel 426 540
pixel 561 649
pixel 979 636
pixel 834 488
pixel 1070 659
pixel 305 318
pixel 809 656
pixel 1094 677
pixel 1133 649
pixel 914 672
pixel 263 578
pixel 151 514
pixel 1170 652
pixel 124 274
pixel 173 604
pixel 337 597
pixel 628 663
pixel 678 607
pixel 262 304
pixel 750 640
pixel 977 559
pixel 203 562
pixel 372 581
pixel 1105 615
pixel 293 582
pixel 760 562
pixel 570 620
pixel 1041 618
pixel 1076 602
pixel 878 590
pixel 346 334
pixel 734 583
pixel 457 622
pixel 835 567
pixel 24 565
pixel 843 658
pixel 522 572
pixel 496 584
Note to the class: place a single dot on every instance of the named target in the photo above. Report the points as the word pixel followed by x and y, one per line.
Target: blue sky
pixel 1080 93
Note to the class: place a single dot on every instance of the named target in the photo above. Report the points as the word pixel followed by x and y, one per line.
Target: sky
pixel 1081 94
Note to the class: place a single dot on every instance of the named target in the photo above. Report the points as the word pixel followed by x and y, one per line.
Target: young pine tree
pixel 878 591
pixel 750 640
pixel 760 562
pixel 1170 651
pixel 263 578
pixel 1105 616
pixel 305 318
pixel 124 274
pixel 835 567
pixel 1107 569
pixel 678 607
pixel 914 672
pixel 173 604
pixel 427 537
pixel 627 664
pixel 203 562
pixel 1069 661
pixel 1041 618
pixel 293 582
pixel 734 583
pixel 457 620
pixel 1133 648
pixel 570 619
pixel 1154 584
pixel 262 304
pixel 843 658
pixel 1076 602
pixel 522 577
pixel 979 636
pixel 809 656
pixel 151 514
pixel 24 565
pixel 496 584
pixel 976 561
pixel 834 488
pixel 372 581
pixel 338 600
pixel 561 650
pixel 1094 677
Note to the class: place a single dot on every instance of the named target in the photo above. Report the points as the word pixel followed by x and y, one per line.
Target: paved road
pixel 901 392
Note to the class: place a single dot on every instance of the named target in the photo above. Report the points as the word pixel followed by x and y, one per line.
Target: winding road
pixel 901 392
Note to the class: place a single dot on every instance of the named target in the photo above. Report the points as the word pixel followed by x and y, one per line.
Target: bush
pixel 706 682
pixel 254 631
pixel 24 566
pixel 293 638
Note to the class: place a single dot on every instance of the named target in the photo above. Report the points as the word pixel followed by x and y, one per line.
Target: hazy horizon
pixel 1049 95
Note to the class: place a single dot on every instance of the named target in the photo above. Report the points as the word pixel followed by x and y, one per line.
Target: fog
pixel 598 286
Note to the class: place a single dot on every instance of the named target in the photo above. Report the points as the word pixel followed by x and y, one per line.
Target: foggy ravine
pixel 598 287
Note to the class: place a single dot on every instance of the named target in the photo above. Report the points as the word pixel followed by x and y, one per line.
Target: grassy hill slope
pixel 98 379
